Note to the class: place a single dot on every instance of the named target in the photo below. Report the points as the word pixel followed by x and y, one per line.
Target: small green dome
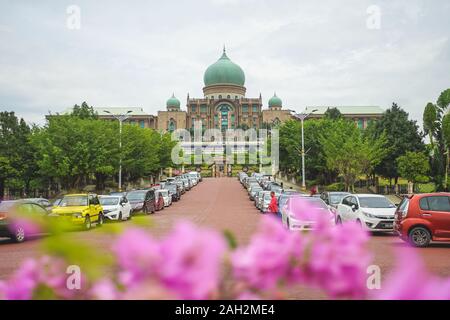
pixel 224 71
pixel 173 102
pixel 275 101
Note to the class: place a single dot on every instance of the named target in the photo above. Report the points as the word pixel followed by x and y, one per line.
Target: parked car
pixel 373 212
pixel 142 201
pixel 333 198
pixel 174 190
pixel 258 196
pixel 80 209
pixel 159 200
pixel 314 209
pixel 116 208
pixel 422 218
pixel 264 201
pixel 283 199
pixel 166 196
pixel 9 228
pixel 42 202
pixel 254 191
pixel 181 185
pixel 118 194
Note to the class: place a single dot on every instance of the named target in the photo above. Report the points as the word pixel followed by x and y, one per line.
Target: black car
pixel 333 198
pixel 23 210
pixel 174 190
pixel 142 201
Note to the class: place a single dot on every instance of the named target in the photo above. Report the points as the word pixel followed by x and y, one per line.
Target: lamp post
pixel 121 118
pixel 302 116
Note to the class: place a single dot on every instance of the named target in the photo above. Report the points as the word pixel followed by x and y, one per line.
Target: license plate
pixel 388 225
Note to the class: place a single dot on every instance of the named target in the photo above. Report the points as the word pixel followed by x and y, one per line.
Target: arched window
pixel 172 125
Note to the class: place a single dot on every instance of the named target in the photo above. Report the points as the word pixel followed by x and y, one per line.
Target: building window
pixel 142 124
pixel 193 108
pixel 172 125
pixel 203 108
pixel 255 108
pixel 236 97
pixel 220 96
pixel 245 108
pixel 228 97
pixel 361 123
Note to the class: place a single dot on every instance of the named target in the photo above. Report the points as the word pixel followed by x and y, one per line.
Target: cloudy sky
pixel 136 53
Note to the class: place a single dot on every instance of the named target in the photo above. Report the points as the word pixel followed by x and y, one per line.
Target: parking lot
pixel 223 204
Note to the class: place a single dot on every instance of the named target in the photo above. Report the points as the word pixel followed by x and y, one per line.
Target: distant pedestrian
pixel 273 206
pixel 313 191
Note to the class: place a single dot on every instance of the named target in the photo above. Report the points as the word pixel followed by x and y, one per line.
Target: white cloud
pixel 138 54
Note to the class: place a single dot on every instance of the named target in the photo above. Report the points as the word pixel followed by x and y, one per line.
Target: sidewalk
pixel 288 185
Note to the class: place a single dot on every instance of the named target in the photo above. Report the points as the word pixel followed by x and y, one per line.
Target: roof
pixel 135 111
pixel 348 109
pixel 224 71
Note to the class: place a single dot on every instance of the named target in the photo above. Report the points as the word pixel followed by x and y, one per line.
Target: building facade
pixel 224 104
pixel 361 115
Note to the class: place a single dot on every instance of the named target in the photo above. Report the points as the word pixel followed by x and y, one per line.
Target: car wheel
pixel 87 223
pixel 145 210
pixel 338 220
pixel 19 234
pixel 100 220
pixel 120 217
pixel 419 237
pixel 288 224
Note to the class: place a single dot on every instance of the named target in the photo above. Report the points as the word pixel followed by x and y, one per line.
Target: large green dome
pixel 275 101
pixel 224 71
pixel 173 102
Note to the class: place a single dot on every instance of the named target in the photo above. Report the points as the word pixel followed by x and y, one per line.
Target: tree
pixel 84 111
pixel 430 120
pixel 402 135
pixel 414 166
pixel 439 149
pixel 15 158
pixel 333 113
pixel 351 154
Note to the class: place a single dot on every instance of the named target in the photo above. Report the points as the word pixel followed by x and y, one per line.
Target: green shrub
pixel 338 186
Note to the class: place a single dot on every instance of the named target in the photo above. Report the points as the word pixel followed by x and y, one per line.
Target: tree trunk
pixel 2 189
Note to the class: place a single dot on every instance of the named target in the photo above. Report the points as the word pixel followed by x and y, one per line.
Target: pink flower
pixel 192 259
pixel 138 256
pixel 411 281
pixel 104 289
pixel 271 259
pixel 338 260
pixel 33 273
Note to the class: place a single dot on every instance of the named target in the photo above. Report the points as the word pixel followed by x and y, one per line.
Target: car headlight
pixel 77 215
pixel 369 215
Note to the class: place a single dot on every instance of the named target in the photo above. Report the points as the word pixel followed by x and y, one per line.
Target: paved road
pixel 224 205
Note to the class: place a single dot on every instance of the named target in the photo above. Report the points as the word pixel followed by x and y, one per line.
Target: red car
pixel 422 218
pixel 159 201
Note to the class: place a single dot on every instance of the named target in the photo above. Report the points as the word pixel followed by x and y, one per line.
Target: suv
pixel 80 209
pixel 423 218
pixel 142 201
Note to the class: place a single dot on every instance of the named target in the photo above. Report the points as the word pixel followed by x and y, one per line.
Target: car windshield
pixel 136 196
pixel 375 202
pixel 164 193
pixel 74 201
pixel 267 196
pixel 336 198
pixel 171 187
pixel 317 203
pixel 109 201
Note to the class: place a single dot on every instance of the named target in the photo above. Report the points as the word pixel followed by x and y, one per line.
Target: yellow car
pixel 80 209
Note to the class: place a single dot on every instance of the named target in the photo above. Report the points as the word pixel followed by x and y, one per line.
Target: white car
pixel 166 196
pixel 373 212
pixel 116 207
pixel 299 213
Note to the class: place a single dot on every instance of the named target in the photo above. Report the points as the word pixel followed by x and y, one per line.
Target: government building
pixel 224 105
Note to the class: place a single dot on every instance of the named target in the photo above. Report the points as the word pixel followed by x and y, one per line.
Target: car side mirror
pixel 354 207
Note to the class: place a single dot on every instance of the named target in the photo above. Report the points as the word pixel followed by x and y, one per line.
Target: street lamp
pixel 121 118
pixel 302 116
